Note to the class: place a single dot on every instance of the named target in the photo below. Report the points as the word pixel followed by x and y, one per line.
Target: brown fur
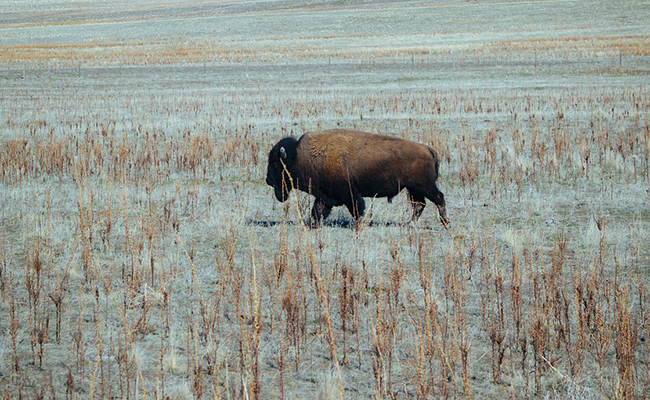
pixel 340 167
pixel 333 147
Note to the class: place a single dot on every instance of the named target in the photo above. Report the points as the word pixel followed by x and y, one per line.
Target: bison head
pixel 281 158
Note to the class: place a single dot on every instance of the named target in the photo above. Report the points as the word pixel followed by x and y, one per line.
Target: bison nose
pixel 268 181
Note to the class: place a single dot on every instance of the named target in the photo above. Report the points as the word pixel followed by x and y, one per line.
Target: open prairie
pixel 143 256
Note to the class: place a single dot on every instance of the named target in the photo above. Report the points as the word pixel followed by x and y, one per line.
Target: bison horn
pixel 283 152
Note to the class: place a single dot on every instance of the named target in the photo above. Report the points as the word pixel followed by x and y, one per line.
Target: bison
pixel 341 167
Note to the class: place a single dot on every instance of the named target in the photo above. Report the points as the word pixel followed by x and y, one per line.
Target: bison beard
pixel 341 167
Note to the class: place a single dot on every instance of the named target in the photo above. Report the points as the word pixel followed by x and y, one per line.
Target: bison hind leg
pixel 439 199
pixel 416 197
pixel 418 203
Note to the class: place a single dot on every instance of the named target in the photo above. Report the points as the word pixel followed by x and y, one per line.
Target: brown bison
pixel 341 167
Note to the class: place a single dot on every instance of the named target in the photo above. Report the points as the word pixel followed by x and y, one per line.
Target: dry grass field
pixel 142 256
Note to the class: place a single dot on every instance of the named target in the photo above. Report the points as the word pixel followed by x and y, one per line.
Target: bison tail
pixel 436 163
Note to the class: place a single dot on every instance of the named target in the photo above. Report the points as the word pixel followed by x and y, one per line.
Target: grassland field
pixel 142 255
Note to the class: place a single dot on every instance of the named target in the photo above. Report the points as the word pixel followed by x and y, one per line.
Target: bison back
pixel 376 165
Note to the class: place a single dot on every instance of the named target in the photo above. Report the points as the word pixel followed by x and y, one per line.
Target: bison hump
pixel 329 145
pixel 334 148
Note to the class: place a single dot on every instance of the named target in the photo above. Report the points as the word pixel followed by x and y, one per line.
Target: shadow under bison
pixel 332 223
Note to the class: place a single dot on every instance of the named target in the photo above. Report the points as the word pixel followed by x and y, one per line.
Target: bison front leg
pixel 319 211
pixel 357 206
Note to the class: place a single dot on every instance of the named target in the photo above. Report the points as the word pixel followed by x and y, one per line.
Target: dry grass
pixel 629 45
pixel 142 256
pixel 136 267
pixel 308 49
